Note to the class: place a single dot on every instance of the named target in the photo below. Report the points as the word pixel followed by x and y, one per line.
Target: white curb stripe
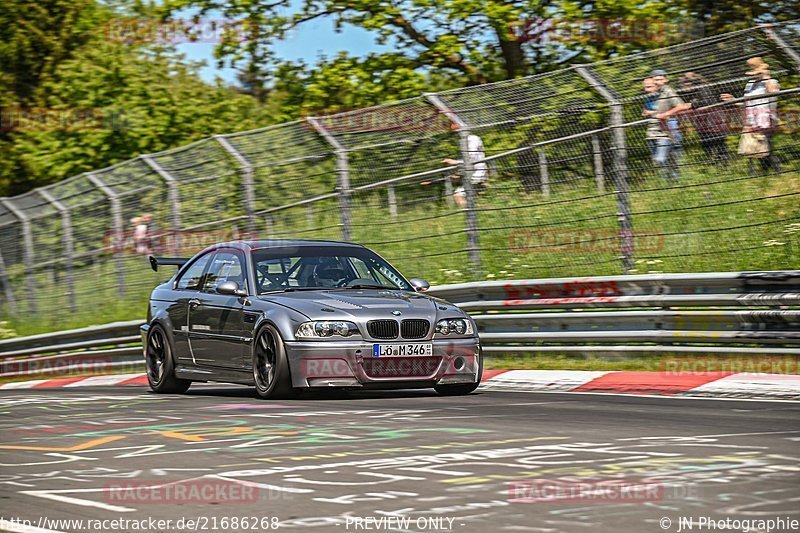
pixel 22 384
pixel 754 385
pixel 547 380
pixel 102 380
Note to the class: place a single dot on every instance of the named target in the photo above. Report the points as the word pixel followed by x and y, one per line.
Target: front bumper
pixel 351 364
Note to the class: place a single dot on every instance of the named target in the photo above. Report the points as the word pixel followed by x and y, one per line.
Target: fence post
pixel 172 189
pixel 597 158
pixel 9 294
pixel 392 202
pixel 247 180
pixel 544 173
pixel 343 170
pixel 473 245
pixel 117 228
pixel 68 242
pixel 783 45
pixel 620 173
pixel 28 257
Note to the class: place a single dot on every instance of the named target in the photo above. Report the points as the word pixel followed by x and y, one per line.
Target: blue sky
pixel 308 43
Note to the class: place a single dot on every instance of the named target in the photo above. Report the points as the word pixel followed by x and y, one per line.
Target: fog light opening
pixel 459 363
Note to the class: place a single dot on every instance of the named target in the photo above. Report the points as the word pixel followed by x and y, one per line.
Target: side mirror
pixel 230 288
pixel 420 285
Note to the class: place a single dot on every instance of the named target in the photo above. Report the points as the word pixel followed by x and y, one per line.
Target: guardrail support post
pixel 68 242
pixel 343 170
pixel 172 189
pixel 116 227
pixel 28 257
pixel 473 245
pixel 782 44
pixel 620 173
pixel 597 158
pixel 247 180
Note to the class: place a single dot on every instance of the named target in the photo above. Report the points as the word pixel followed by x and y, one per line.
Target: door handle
pixel 194 302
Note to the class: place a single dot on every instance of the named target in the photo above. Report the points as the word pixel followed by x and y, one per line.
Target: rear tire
pixel 271 366
pixel 160 366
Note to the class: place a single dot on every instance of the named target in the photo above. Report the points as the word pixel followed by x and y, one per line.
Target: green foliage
pixel 6 332
pixel 104 100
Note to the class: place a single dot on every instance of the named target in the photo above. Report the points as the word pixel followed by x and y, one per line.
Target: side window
pixel 192 278
pixel 226 266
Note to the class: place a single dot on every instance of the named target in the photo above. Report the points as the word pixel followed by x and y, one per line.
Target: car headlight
pixel 327 328
pixel 454 326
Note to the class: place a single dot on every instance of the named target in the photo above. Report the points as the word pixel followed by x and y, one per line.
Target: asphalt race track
pixel 368 461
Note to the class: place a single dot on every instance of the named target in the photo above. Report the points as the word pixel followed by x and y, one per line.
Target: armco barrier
pixel 597 321
pixel 93 349
pixel 621 314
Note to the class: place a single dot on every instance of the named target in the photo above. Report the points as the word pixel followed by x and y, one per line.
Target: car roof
pixel 285 243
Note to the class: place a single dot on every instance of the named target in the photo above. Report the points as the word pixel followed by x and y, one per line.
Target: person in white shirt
pixel 480 170
pixel 141 238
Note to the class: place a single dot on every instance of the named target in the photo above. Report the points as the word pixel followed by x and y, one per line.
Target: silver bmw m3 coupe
pixel 291 315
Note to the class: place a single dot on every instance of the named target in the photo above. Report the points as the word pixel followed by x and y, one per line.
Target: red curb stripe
pixel 51 383
pixel 489 374
pixel 666 383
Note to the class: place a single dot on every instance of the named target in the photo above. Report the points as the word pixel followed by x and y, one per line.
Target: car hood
pixel 360 304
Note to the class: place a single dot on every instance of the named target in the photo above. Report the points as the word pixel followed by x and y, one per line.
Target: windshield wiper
pixel 369 286
pixel 291 289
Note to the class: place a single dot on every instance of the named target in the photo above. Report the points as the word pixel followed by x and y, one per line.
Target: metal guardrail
pixel 91 349
pixel 596 320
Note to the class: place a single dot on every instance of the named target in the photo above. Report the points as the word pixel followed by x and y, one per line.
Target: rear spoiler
pixel 170 261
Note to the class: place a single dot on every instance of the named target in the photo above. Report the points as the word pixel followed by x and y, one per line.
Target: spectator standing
pixel 480 170
pixel 141 236
pixel 660 105
pixel 710 124
pixel 760 114
pixel 673 124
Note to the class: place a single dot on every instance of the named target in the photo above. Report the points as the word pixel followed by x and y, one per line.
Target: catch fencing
pixel 564 185
pixel 736 313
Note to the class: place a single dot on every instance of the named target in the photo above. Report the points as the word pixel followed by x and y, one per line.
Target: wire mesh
pixel 553 195
pixel 720 60
pixel 290 164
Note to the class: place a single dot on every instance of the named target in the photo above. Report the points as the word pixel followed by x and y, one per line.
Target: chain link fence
pixel 545 176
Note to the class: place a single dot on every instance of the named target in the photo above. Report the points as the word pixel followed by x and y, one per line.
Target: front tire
pixel 160 366
pixel 271 366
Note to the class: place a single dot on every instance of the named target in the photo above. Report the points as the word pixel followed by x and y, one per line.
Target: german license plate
pixel 402 350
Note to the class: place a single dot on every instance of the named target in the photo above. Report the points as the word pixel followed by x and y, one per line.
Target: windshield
pixel 323 267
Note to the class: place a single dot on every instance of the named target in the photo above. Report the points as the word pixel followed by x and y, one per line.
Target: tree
pixel 91 100
pixel 476 41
